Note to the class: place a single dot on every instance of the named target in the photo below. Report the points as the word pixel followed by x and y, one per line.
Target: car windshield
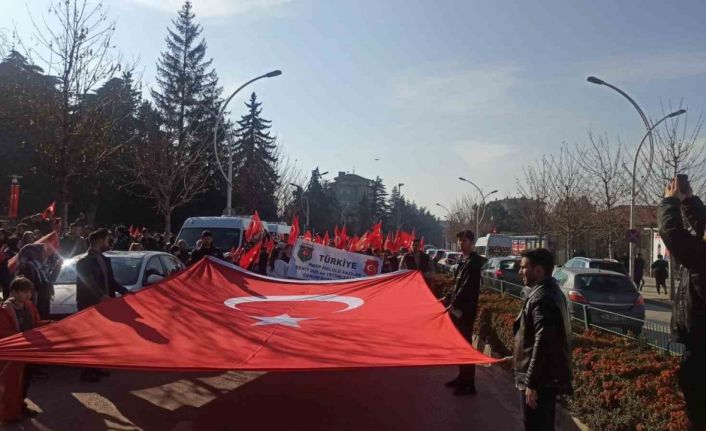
pixel 609 266
pixel 223 238
pixel 125 268
pixel 605 283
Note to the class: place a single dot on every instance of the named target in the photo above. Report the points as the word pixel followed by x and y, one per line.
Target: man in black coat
pixel 689 314
pixel 207 249
pixel 72 244
pixel 95 282
pixel 464 305
pixel 418 260
pixel 542 357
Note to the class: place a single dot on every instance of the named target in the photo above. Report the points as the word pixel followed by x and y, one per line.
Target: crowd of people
pixel 541 358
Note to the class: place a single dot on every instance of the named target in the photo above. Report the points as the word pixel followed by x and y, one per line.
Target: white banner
pixel 311 261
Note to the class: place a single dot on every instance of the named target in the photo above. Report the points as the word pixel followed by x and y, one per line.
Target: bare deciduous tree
pixel 76 44
pixel 679 150
pixel 536 188
pixel 170 168
pixel 572 210
pixel 288 173
pixel 609 184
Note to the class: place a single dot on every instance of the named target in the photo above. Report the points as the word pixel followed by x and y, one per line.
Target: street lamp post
pixel 399 206
pixel 448 223
pixel 483 198
pixel 219 116
pixel 302 199
pixel 649 128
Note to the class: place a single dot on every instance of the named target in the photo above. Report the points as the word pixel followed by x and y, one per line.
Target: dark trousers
pixel 692 380
pixel 464 324
pixel 541 418
pixel 661 282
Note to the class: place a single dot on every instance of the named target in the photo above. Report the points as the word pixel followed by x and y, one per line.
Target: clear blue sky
pixel 434 89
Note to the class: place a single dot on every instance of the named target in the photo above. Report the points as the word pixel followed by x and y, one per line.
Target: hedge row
pixel 619 384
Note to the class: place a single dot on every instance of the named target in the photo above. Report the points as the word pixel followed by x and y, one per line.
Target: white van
pixel 494 245
pixel 227 231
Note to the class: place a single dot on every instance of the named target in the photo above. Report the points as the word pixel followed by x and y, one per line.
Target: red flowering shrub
pixel 619 384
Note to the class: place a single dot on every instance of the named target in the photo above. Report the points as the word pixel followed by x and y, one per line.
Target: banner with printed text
pixel 312 261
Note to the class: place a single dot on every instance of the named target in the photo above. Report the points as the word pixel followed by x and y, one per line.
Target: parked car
pixel 440 254
pixel 431 252
pixel 610 299
pixel 506 269
pixel 588 262
pixel 133 269
pixel 449 261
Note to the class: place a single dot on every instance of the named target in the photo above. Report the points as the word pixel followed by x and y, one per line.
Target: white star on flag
pixel 282 319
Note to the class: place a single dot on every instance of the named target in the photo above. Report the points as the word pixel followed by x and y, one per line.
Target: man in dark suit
pixel 95 283
pixel 464 305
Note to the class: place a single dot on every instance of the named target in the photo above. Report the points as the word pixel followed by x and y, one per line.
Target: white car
pixel 133 269
pixel 449 261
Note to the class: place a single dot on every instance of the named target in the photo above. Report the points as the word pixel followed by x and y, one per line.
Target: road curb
pixel 657 303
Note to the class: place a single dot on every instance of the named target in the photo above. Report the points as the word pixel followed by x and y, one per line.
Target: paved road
pixel 406 399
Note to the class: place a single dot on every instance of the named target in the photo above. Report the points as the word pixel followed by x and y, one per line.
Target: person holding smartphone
pixel 689 314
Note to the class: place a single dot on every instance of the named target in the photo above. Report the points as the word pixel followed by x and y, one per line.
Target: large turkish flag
pixel 216 317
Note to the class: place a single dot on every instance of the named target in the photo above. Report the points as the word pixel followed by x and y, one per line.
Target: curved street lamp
pixel 649 128
pixel 219 116
pixel 483 198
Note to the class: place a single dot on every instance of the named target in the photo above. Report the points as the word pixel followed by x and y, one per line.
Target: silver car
pixel 133 269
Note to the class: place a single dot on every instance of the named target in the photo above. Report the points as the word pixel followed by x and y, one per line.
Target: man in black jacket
pixel 95 282
pixel 542 358
pixel 689 314
pixel 419 261
pixel 464 304
pixel 207 249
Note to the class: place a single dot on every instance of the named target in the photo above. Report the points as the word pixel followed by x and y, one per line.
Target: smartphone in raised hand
pixel 683 183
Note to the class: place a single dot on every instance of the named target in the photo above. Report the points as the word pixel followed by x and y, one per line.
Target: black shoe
pixel 453 383
pixel 465 390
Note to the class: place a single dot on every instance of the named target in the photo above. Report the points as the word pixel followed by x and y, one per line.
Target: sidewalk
pixel 650 295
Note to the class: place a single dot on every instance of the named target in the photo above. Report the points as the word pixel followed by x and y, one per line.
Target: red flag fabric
pixel 254 228
pixel 318 239
pixel 51 245
pixel 235 258
pixel 14 201
pixel 254 323
pixel 326 239
pixel 307 235
pixel 404 240
pixel 375 240
pixel 342 239
pixel 388 242
pixel 353 245
pixel 50 211
pixel 294 231
pixel 270 246
pixel 249 257
pixel 421 244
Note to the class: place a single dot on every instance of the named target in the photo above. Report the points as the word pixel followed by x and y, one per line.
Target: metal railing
pixel 585 316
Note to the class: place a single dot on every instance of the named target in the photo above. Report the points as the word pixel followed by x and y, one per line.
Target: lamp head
pixel 462 179
pixel 273 74
pixel 594 80
pixel 494 191
pixel 677 113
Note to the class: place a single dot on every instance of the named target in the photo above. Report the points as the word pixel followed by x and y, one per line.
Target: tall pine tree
pixel 255 179
pixel 186 86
